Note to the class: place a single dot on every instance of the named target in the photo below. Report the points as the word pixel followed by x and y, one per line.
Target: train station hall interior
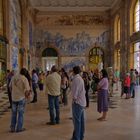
pixel 91 34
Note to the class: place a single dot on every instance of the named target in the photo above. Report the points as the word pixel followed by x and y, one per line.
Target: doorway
pixel 49 58
pixel 95 59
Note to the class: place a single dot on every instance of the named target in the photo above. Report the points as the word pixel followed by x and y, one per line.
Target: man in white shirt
pixel 53 84
pixel 78 104
pixel 20 87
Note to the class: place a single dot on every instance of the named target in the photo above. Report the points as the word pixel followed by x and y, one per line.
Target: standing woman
pixel 34 85
pixel 64 87
pixel 102 101
pixel 41 81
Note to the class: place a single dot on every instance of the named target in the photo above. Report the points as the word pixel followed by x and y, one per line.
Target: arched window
pixel 135 56
pixel 135 27
pixel 96 58
pixel 137 16
pixel 117 29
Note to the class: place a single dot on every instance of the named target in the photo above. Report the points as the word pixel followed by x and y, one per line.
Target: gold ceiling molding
pixel 73 20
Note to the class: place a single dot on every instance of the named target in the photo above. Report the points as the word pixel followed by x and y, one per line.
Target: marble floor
pixel 123 122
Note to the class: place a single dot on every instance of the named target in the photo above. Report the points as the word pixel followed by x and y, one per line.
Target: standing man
pixel 133 83
pixel 78 104
pixel 53 83
pixel 34 85
pixel 20 89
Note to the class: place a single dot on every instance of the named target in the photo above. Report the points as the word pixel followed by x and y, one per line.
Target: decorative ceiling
pixel 72 5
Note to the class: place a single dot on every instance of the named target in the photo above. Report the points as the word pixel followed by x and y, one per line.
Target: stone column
pixel 25 35
pixel 7 30
pixel 124 44
pixel 123 49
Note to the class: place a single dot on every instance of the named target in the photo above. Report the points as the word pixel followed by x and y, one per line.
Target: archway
pixel 49 58
pixel 96 58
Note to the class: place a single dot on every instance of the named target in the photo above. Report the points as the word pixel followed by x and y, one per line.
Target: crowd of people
pixel 57 83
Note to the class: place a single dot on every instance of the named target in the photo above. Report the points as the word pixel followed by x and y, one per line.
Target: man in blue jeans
pixel 78 104
pixel 53 84
pixel 133 83
pixel 20 89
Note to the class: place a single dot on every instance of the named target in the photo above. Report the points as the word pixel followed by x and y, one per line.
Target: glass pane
pixel 137 46
pixel 138 6
pixel 118 30
pixel 137 17
pixel 137 56
pixel 94 51
pixel 137 29
pixel 137 26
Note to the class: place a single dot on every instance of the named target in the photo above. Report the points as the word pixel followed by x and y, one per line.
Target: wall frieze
pixel 73 46
pixel 73 20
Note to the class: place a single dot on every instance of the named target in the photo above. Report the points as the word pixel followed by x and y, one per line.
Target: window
pixel 137 16
pixel 117 29
pixel 95 58
pixel 137 56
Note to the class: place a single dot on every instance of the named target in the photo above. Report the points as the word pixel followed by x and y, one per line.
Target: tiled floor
pixel 123 121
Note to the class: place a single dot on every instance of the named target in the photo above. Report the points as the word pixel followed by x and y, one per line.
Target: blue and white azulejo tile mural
pixel 73 46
